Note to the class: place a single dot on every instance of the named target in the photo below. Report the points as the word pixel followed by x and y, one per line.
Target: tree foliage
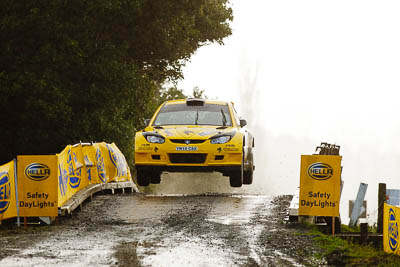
pixel 198 93
pixel 170 94
pixel 92 70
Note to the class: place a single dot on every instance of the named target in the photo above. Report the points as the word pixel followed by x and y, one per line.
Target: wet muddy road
pixel 168 230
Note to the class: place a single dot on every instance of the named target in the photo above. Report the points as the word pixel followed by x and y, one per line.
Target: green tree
pixel 90 70
pixel 198 93
pixel 171 93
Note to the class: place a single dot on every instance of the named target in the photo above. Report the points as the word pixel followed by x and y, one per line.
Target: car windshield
pixel 181 114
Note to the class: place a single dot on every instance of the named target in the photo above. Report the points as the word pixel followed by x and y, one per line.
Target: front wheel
pixel 236 179
pixel 155 179
pixel 142 177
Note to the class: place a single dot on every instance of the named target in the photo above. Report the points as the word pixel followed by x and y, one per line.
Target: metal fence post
pixel 356 212
pixel 381 201
pixel 16 191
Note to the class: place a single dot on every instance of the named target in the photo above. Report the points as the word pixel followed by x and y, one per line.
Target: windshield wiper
pixel 223 118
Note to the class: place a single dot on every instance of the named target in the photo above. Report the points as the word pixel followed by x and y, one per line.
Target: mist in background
pixel 306 72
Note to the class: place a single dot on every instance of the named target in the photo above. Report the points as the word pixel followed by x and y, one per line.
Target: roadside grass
pixel 353 229
pixel 348 229
pixel 339 252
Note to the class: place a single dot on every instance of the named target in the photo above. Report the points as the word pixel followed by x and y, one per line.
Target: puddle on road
pixel 32 258
pixel 286 258
pixel 195 252
pixel 171 249
pixel 237 210
pixel 227 209
pixel 55 252
pixel 181 250
pixel 193 183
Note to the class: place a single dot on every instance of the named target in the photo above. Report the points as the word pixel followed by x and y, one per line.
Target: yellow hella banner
pixel 101 153
pixel 117 167
pixel 37 185
pixel 72 173
pixel 111 165
pixel 8 199
pixel 89 156
pixel 391 222
pixel 320 185
pixel 79 166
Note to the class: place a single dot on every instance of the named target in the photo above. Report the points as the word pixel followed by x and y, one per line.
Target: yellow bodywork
pixel 228 154
pixel 145 151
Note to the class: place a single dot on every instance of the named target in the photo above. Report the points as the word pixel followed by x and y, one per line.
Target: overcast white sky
pixel 303 72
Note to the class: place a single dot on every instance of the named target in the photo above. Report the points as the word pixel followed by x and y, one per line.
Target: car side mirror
pixel 243 123
pixel 147 122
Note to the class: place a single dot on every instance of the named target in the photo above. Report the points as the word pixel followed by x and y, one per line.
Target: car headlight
pixel 221 140
pixel 154 138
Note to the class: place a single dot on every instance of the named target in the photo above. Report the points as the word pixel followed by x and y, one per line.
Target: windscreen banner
pixel 37 186
pixel 391 222
pixel 8 197
pixel 320 185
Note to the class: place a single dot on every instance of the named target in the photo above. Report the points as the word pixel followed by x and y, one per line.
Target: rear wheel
pixel 248 174
pixel 248 177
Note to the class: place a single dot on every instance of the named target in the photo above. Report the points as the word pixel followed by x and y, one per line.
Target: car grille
pixel 195 158
pixel 187 141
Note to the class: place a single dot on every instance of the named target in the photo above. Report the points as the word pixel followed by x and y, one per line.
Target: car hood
pixel 194 132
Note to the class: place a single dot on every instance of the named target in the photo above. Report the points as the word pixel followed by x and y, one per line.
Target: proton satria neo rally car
pixel 195 135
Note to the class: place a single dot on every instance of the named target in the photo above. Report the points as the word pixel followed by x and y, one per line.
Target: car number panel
pixel 187 148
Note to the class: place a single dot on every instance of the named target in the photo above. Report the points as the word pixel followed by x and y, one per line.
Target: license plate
pixel 186 148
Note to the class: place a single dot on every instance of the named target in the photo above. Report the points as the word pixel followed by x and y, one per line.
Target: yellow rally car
pixel 195 135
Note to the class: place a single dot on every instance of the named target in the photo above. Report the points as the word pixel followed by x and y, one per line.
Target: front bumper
pixel 193 157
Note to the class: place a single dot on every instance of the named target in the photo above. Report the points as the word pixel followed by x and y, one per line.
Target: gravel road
pixel 165 230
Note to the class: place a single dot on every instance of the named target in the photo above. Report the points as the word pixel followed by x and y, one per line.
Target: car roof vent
pixel 195 102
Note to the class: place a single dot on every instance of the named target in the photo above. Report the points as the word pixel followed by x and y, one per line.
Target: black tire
pixel 142 177
pixel 248 177
pixel 155 179
pixel 236 179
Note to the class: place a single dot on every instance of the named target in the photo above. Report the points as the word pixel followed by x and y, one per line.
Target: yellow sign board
pixel 320 185
pixel 8 199
pixel 391 222
pixel 37 185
